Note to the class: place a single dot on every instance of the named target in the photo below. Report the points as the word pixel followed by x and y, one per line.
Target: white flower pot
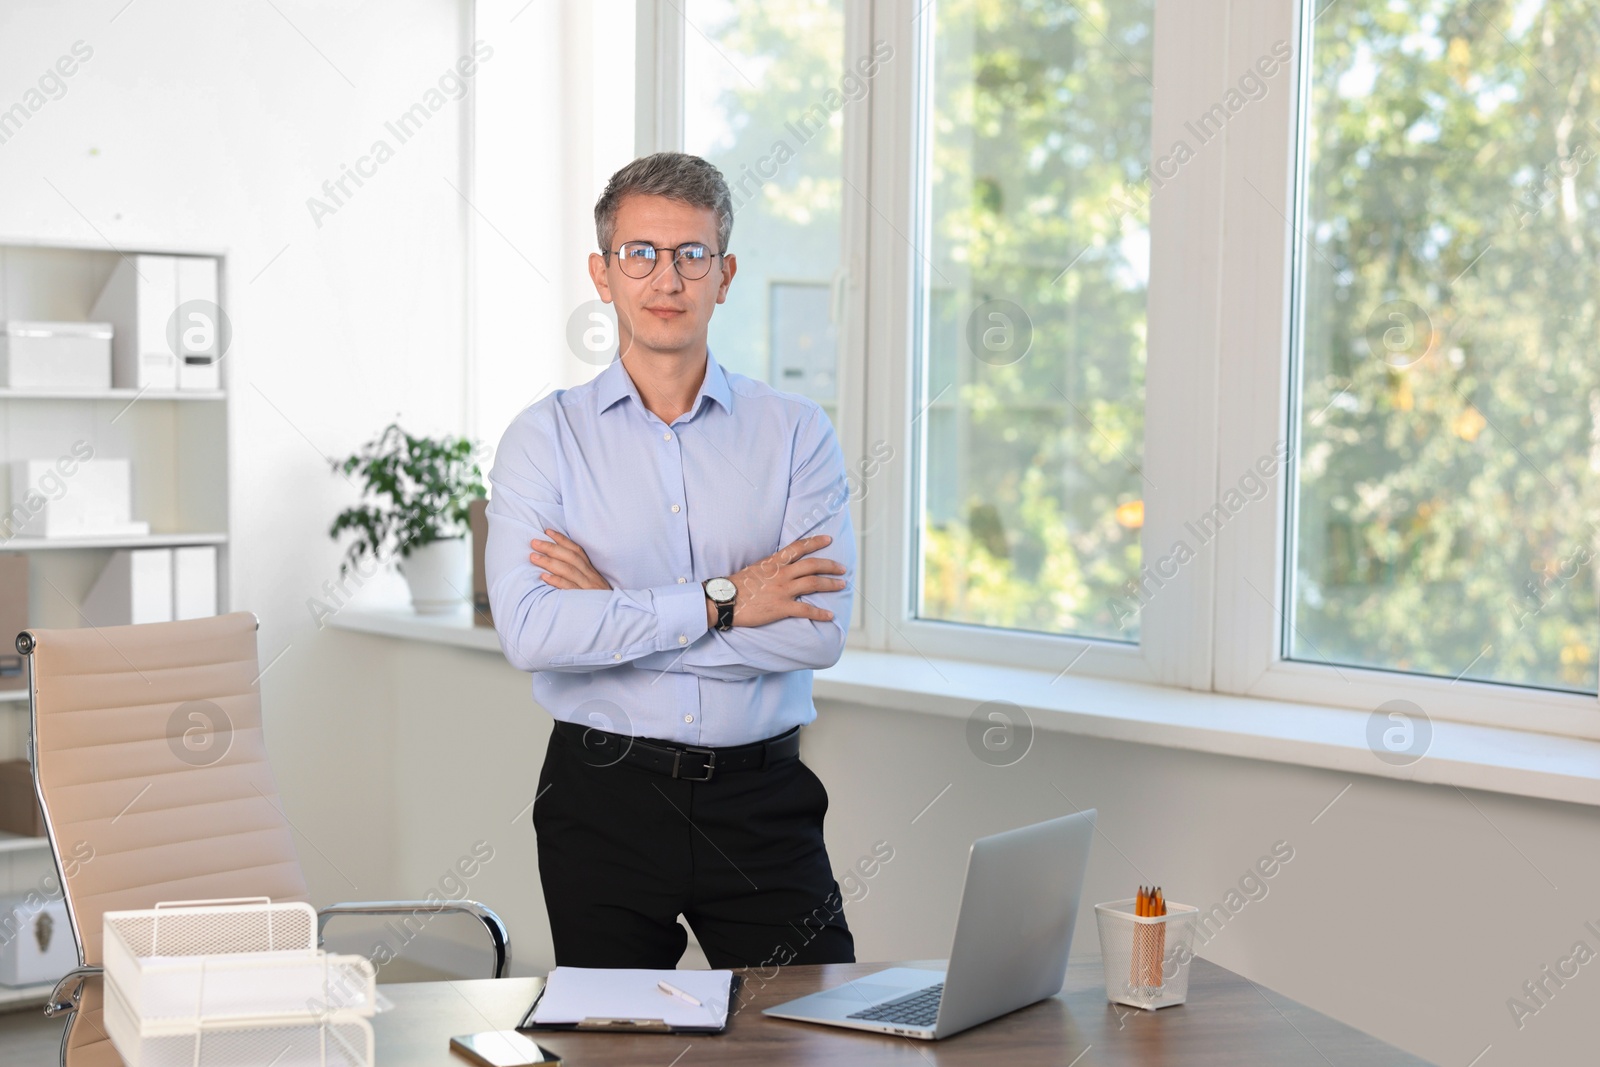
pixel 438 574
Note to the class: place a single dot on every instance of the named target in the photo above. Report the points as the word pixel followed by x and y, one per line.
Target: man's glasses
pixel 638 259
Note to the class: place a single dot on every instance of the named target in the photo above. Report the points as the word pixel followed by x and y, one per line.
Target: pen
pixel 668 987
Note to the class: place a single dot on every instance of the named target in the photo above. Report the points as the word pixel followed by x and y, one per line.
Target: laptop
pixel 1013 934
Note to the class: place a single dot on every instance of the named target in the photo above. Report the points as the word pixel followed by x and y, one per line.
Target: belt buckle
pixel 677 763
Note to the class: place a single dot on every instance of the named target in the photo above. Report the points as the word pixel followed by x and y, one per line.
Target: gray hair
pixel 674 175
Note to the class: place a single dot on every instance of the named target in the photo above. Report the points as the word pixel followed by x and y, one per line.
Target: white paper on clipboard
pixel 573 994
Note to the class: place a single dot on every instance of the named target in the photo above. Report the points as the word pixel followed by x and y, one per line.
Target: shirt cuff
pixel 681 607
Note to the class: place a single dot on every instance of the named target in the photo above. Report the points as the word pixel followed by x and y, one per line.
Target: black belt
pixel 688 762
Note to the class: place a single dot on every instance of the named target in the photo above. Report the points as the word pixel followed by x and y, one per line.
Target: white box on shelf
pixel 135 587
pixel 199 334
pixel 36 943
pixel 55 355
pixel 138 300
pixel 96 500
pixel 194 582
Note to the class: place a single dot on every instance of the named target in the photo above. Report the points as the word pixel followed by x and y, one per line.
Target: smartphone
pixel 502 1048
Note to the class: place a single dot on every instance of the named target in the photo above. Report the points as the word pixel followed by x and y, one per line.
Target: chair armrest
pixel 499 939
pixel 64 1001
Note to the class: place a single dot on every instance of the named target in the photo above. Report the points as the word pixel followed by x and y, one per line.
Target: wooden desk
pixel 1227 1022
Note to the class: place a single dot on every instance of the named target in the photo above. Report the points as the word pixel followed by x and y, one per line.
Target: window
pixel 1251 355
pixel 1031 275
pixel 766 98
pixel 1448 390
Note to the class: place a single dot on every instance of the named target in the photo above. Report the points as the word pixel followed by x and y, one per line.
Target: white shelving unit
pixel 110 394
pixel 178 445
pixel 64 544
pixel 177 441
pixel 24 864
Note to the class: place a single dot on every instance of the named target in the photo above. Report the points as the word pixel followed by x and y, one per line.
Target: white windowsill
pixel 1472 757
pixel 453 629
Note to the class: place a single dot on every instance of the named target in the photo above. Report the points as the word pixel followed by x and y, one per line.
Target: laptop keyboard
pixel 916 1009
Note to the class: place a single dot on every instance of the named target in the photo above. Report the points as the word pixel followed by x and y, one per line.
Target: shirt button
pixel 666 437
pixel 682 580
pixel 688 718
pixel 683 639
pixel 676 509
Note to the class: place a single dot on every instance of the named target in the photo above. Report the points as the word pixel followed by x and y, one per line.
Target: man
pixel 652 559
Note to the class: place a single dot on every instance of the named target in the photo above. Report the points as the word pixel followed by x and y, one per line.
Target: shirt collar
pixel 614 383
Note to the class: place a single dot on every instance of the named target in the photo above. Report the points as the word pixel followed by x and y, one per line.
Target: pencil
pixel 1135 958
pixel 1140 966
pixel 1149 933
pixel 1161 940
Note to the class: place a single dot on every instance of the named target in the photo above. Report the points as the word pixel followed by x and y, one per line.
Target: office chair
pixel 149 763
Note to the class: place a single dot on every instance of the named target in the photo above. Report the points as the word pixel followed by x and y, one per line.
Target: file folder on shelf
pixel 199 342
pixel 135 587
pixel 194 582
pixel 137 300
pixel 150 349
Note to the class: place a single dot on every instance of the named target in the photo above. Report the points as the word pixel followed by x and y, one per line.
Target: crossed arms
pixel 544 626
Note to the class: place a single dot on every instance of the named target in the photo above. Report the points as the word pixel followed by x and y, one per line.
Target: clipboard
pixel 606 1024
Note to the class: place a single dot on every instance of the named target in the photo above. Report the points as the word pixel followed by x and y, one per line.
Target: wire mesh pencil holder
pixel 1146 958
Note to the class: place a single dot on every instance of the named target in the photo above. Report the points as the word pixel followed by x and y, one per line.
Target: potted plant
pixel 421 488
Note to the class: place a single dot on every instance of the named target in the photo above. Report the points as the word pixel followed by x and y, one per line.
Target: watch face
pixel 721 590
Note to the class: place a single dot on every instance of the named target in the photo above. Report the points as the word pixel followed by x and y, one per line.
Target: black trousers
pixel 623 851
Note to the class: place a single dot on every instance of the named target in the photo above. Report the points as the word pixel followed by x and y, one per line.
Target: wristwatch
pixel 721 592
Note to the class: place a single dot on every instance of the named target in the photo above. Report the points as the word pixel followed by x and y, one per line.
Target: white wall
pixel 211 124
pixel 554 120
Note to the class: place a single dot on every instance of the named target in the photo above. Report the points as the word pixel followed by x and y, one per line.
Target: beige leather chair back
pixel 154 776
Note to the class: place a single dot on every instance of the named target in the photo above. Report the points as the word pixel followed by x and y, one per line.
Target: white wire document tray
pixel 233 982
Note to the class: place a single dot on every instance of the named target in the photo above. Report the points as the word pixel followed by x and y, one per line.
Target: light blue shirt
pixel 659 509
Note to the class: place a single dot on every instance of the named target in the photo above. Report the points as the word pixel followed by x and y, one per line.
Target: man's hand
pixel 566 566
pixel 768 587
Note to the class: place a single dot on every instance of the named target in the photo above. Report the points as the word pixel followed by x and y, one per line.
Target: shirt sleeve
pixel 819 503
pixel 541 627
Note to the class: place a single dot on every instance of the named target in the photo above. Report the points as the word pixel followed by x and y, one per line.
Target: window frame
pixel 898 231
pixel 1217 625
pixel 1258 385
